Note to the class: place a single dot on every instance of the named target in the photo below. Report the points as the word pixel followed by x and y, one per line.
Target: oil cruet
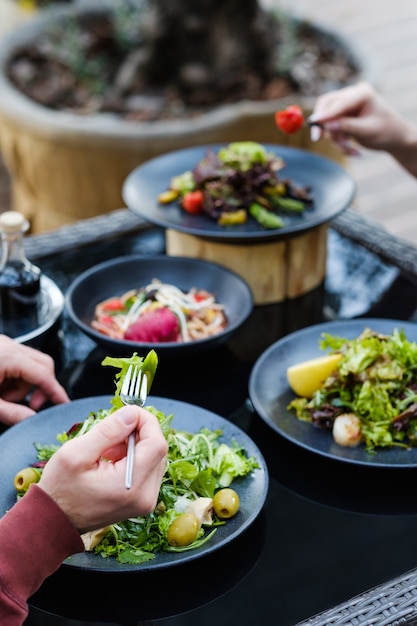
pixel 19 278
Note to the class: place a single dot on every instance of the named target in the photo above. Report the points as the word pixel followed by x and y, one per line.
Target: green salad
pixel 241 180
pixel 196 485
pixel 373 388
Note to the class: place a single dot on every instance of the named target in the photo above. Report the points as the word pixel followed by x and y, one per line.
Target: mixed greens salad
pixel 200 469
pixel 374 382
pixel 238 181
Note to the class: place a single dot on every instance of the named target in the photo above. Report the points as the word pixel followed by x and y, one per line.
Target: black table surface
pixel 328 531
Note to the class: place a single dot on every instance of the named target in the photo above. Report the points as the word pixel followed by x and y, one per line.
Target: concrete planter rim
pixel 18 108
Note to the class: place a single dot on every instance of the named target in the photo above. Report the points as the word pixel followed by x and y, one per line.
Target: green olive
pixel 183 530
pixel 226 503
pixel 25 478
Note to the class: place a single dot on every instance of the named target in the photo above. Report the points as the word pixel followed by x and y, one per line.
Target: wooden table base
pixel 275 271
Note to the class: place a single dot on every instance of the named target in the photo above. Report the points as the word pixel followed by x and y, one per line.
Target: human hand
pixel 361 113
pixel 25 372
pixel 86 476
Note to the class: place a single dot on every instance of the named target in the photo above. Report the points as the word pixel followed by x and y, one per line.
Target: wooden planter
pixel 65 167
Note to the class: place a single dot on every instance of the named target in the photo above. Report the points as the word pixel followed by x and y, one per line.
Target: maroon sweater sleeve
pixel 35 537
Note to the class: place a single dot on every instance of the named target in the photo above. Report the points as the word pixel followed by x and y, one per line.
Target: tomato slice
pixel 115 304
pixel 200 297
pixel 192 202
pixel 290 120
pixel 106 319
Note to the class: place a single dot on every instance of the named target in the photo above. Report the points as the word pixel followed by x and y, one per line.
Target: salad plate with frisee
pixel 215 482
pixel 240 191
pixel 344 390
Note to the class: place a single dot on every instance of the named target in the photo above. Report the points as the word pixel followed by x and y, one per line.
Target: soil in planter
pixel 93 64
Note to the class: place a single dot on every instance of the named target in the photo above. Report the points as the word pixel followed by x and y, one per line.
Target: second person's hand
pixel 360 112
pixel 27 381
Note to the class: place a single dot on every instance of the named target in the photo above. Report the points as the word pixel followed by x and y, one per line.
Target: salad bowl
pixel 117 276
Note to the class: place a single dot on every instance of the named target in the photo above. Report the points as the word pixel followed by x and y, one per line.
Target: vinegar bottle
pixel 19 278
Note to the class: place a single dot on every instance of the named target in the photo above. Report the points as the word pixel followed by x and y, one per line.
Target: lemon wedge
pixel 306 377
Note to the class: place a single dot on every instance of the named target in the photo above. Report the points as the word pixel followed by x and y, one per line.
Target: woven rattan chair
pixel 391 604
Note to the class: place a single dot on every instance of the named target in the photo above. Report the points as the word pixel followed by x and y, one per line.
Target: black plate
pixel 270 393
pixel 17 452
pixel 332 188
pixel 115 277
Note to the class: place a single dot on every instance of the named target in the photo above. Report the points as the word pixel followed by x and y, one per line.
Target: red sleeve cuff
pixel 36 536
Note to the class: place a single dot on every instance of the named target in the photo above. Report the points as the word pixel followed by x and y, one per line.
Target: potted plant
pixel 91 90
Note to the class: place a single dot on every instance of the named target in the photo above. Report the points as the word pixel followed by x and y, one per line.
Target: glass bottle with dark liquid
pixel 19 279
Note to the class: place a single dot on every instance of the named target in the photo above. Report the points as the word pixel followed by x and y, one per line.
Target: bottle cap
pixel 13 222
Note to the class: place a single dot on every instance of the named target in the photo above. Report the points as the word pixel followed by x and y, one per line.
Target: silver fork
pixel 134 391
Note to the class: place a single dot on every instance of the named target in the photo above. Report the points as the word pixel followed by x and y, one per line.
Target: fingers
pixel 49 389
pixel 45 383
pixel 343 114
pixel 151 447
pixel 109 434
pixel 343 138
pixel 12 413
pixel 15 390
pixel 81 457
pixel 107 440
pixel 339 134
pixel 91 490
pixel 28 368
pixel 149 462
pixel 347 102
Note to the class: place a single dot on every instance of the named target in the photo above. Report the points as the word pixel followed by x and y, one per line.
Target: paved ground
pixel 386 31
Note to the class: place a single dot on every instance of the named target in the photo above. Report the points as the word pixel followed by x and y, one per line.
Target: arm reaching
pixel 82 488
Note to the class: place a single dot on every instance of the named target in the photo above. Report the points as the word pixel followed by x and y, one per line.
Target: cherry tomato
pixel 290 120
pixel 192 202
pixel 115 304
pixel 107 319
pixel 200 297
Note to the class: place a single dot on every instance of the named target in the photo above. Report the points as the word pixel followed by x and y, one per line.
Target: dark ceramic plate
pixel 115 277
pixel 332 188
pixel 17 452
pixel 270 393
